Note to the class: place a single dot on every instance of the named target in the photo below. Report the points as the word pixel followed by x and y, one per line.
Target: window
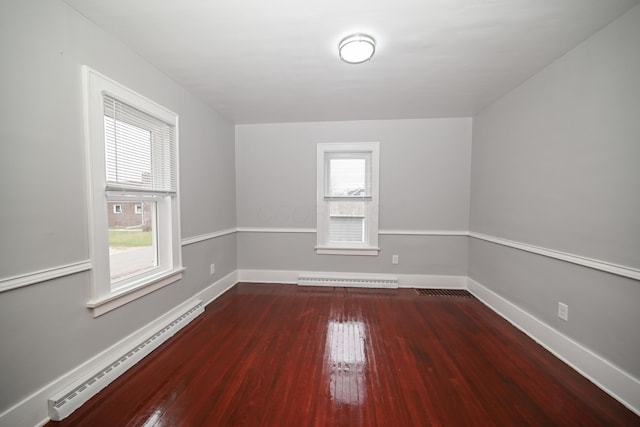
pixel 348 198
pixel 131 145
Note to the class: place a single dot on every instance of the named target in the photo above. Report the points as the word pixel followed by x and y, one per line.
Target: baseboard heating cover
pixel 65 402
pixel 348 280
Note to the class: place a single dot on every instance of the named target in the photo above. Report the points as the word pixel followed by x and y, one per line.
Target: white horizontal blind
pixel 346 229
pixel 140 150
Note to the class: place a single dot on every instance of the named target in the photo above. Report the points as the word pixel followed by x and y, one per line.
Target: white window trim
pixel 117 208
pixel 103 297
pixel 370 246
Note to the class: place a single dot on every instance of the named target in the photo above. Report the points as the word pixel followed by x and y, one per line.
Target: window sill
pixel 118 298
pixel 328 250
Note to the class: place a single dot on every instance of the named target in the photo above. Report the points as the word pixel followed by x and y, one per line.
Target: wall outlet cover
pixel 563 311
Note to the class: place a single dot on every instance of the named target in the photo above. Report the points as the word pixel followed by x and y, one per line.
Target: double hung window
pixel 132 153
pixel 348 198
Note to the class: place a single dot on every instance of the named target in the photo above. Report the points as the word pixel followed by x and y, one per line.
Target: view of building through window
pixel 347 179
pixel 132 239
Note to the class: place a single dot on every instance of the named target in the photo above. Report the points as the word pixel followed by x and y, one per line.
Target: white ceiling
pixel 257 61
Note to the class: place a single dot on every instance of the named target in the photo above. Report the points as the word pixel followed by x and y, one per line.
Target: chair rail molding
pixel 208 236
pixel 39 276
pixel 619 270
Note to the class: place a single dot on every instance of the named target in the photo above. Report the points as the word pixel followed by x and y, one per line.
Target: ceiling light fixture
pixel 357 48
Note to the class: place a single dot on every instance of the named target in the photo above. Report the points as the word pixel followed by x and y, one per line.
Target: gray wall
pixel 440 255
pixel 556 164
pixel 424 185
pixel 45 328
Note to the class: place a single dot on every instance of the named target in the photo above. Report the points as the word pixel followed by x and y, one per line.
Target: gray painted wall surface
pixel 46 329
pixel 440 255
pixel 424 171
pixel 424 185
pixel 603 308
pixel 555 164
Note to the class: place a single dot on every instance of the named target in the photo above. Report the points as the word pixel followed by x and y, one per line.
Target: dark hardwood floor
pixel 284 355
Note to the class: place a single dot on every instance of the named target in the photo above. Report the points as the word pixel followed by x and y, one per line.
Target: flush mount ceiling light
pixel 357 48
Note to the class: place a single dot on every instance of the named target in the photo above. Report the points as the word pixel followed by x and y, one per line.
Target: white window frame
pixel 370 244
pixel 137 208
pixel 117 208
pixel 105 297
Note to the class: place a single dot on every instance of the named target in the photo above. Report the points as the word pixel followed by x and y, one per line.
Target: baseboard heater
pixel 348 280
pixel 65 402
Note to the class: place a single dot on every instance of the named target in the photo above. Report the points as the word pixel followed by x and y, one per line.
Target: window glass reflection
pixel 347 360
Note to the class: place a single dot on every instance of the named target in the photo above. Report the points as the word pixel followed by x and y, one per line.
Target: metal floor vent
pixel 459 293
pixel 64 403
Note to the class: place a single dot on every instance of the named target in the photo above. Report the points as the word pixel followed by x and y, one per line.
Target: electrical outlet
pixel 212 268
pixel 395 259
pixel 563 311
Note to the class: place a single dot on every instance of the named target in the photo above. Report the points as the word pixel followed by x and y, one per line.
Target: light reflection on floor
pixel 345 353
pixel 154 420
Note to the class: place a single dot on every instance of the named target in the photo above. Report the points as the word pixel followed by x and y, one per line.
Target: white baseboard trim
pixel 268 276
pixel 614 381
pixel 72 396
pixel 420 281
pixel 32 411
pixel 213 291
pixel 431 281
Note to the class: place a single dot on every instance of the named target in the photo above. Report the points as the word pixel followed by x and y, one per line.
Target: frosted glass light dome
pixel 357 48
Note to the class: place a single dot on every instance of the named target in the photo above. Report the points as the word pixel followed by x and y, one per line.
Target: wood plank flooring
pixel 285 355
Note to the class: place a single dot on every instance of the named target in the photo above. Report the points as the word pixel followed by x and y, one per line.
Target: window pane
pixel 347 177
pixel 132 239
pixel 346 222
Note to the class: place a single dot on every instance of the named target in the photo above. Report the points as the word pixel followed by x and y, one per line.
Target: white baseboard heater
pixel 348 280
pixel 65 402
